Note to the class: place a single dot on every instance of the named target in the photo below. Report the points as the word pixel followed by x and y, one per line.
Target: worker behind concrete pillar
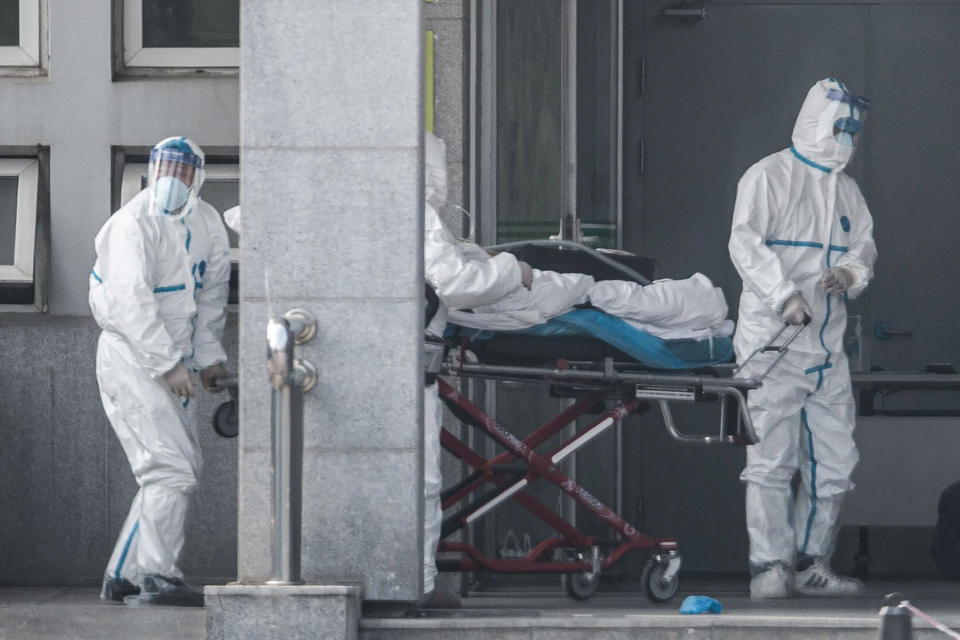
pixel 945 547
pixel 158 290
pixel 463 275
pixel 802 240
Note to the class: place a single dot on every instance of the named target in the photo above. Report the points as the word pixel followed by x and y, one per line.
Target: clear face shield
pixel 174 180
pixel 840 121
pixel 852 112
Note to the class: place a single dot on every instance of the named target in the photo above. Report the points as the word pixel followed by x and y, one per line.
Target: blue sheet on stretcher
pixel 647 349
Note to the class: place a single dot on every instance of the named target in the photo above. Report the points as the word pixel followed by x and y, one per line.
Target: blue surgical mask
pixel 170 194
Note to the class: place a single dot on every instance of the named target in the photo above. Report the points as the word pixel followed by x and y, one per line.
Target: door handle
pixel 685 13
pixel 883 332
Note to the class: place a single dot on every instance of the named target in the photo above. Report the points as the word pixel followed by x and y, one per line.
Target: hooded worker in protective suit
pixel 158 291
pixel 463 276
pixel 802 240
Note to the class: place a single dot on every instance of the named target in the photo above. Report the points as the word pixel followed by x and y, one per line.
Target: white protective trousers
pixel 796 215
pixel 158 291
pixel 158 433
pixel 806 423
pixel 432 483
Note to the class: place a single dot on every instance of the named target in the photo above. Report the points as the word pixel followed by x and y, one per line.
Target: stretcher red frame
pixel 513 470
pixel 538 466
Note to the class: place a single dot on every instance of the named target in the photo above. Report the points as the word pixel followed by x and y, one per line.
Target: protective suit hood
pixel 826 128
pixel 434 171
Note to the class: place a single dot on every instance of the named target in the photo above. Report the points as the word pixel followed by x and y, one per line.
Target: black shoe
pixel 442 597
pixel 117 589
pixel 157 590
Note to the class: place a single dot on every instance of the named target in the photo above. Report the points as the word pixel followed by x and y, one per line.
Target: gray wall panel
pixel 66 483
pixel 914 189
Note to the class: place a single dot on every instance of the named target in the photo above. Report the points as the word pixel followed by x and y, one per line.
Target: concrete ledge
pixel 640 626
pixel 264 611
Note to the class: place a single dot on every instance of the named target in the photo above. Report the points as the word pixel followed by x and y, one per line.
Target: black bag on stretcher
pixel 569 257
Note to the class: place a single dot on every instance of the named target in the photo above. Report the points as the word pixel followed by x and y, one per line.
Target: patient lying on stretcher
pixel 668 309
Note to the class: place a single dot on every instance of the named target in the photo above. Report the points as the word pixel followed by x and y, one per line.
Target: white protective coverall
pixel 464 276
pixel 158 290
pixel 796 215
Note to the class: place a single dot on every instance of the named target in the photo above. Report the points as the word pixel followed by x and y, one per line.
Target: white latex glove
pixel 796 310
pixel 209 375
pixel 836 279
pixel 179 382
pixel 526 274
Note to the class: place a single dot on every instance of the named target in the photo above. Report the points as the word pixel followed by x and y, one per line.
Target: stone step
pixel 639 626
pixel 617 627
pixel 545 614
pixel 77 614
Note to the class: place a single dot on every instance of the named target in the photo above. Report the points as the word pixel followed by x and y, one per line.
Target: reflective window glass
pixel 8 217
pixel 529 171
pixel 9 23
pixel 191 23
pixel 597 122
pixel 223 194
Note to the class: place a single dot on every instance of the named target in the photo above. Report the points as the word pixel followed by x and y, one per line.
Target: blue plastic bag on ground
pixel 700 604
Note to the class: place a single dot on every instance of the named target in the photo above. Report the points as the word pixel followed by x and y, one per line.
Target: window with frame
pixel 19 184
pixel 221 188
pixel 22 37
pixel 177 34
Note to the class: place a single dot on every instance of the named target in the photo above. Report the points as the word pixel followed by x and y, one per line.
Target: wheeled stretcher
pixel 627 373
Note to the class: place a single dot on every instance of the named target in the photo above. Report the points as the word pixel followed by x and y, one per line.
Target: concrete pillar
pixel 331 190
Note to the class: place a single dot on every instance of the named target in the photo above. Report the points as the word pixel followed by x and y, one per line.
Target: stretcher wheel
pixel 226 422
pixel 581 586
pixel 656 588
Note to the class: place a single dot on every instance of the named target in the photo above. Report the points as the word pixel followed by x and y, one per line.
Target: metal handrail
pixel 290 378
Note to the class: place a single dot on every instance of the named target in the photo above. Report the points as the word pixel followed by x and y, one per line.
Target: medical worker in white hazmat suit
pixel 802 240
pixel 158 291
pixel 463 275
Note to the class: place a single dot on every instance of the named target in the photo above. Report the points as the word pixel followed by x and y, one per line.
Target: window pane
pixel 9 23
pixel 8 217
pixel 596 122
pixel 191 23
pixel 223 194
pixel 528 119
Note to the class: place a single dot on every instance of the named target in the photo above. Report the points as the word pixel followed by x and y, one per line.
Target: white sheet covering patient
pixel 668 309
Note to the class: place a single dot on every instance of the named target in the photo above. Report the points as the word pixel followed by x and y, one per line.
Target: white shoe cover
pixel 819 580
pixel 772 582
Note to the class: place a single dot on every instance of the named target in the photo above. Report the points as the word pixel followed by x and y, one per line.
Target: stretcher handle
pixel 781 349
pixel 749 436
pixel 225 382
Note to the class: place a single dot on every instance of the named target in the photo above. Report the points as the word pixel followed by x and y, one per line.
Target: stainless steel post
pixel 290 378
